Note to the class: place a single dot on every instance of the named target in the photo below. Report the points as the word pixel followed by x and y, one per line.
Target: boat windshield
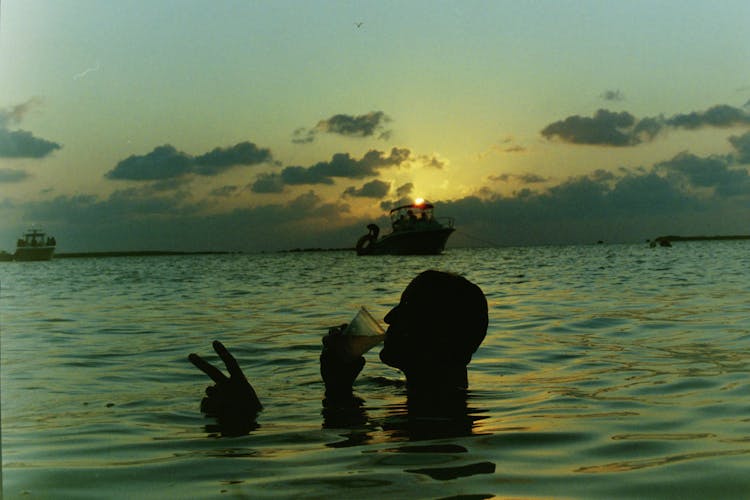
pixel 412 216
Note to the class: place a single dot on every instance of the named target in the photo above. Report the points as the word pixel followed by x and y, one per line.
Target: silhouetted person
pixel 433 332
pixel 412 217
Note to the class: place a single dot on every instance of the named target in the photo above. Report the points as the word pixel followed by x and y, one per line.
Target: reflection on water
pixel 608 371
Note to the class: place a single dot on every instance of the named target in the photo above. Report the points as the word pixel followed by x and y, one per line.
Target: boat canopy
pixel 414 206
pixel 411 213
pixel 35 237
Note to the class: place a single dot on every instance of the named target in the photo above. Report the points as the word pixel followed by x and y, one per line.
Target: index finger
pixel 207 368
pixel 232 366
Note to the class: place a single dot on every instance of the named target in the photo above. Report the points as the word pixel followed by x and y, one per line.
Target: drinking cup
pixel 362 334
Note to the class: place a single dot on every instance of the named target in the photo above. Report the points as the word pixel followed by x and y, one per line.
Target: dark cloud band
pixel 166 162
pixel 341 165
pixel 608 128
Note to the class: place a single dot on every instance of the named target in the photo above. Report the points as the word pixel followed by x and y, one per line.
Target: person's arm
pixel 231 400
pixel 338 373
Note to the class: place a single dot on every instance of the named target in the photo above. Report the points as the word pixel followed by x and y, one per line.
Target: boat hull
pixel 34 253
pixel 430 242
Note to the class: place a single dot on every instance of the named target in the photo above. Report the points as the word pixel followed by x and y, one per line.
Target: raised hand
pixel 231 400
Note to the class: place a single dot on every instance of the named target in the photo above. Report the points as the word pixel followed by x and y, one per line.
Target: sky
pixel 261 126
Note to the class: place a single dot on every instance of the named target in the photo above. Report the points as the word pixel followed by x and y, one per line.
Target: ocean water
pixel 609 371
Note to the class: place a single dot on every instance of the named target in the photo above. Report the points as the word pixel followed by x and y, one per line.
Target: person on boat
pixel 412 217
pixel 400 223
pixel 433 332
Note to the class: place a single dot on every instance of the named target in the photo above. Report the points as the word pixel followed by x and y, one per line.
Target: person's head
pixel 437 326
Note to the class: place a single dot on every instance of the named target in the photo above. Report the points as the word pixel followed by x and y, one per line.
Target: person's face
pixel 405 324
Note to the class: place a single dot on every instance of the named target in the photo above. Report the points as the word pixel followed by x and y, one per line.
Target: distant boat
pixel 415 231
pixel 35 245
pixel 662 241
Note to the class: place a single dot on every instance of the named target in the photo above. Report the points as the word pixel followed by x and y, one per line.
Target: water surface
pixel 608 371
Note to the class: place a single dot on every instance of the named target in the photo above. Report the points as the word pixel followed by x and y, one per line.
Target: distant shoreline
pixel 702 238
pixel 137 253
pixel 317 249
pixel 158 253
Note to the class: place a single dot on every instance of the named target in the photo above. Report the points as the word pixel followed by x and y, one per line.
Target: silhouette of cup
pixel 362 334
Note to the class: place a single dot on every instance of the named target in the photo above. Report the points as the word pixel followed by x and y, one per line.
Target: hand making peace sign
pixel 232 400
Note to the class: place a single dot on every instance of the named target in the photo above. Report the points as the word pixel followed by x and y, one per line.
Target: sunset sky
pixel 259 126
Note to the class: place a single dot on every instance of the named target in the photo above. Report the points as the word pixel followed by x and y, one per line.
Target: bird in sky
pixel 359 24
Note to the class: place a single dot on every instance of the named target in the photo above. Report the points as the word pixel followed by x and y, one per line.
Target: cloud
pixel 10 175
pixel 166 162
pixel 366 125
pixel 741 145
pixel 219 159
pixel 647 194
pixel 267 183
pixel 341 165
pixel 432 162
pixel 604 128
pixel 716 116
pixel 612 95
pixel 608 128
pixel 505 145
pixel 714 172
pixel 531 178
pixel 303 136
pixel 169 184
pixel 127 208
pixel 150 202
pixel 687 194
pixel 21 143
pixel 405 189
pixel 601 175
pixel 374 189
pixel 15 114
pixel 578 210
pixel 354 126
pixel 527 178
pixel 318 174
pixel 225 191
